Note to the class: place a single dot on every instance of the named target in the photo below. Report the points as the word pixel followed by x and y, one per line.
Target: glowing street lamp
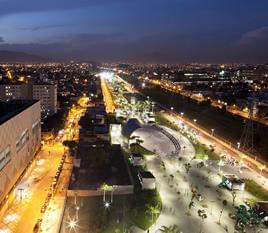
pixel 107 205
pixel 171 108
pixel 182 113
pixel 238 145
pixel 195 120
pixel 212 131
pixel 72 224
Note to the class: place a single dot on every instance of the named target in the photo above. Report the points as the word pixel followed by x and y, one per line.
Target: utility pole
pixel 21 196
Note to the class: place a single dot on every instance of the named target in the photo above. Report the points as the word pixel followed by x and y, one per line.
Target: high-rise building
pixel 45 92
pixel 14 91
pixel 20 138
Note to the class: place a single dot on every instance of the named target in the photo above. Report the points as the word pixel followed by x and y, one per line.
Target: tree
pixel 224 204
pixel 170 229
pixel 246 217
pixel 202 214
pixel 105 187
pixel 187 167
pixel 191 204
pixel 72 145
pixel 234 197
pixel 153 210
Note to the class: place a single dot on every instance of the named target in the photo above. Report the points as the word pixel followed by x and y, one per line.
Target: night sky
pixel 166 31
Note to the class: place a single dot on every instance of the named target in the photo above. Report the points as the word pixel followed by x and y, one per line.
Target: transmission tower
pixel 247 137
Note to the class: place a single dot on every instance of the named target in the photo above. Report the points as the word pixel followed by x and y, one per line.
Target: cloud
pixel 2 39
pixel 19 6
pixel 255 36
pixel 154 48
pixel 42 27
pixel 87 38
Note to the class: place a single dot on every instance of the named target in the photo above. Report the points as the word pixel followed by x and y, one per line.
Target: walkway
pixel 174 185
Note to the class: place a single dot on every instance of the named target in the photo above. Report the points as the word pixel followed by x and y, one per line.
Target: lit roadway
pixel 24 212
pixel 108 100
pixel 178 89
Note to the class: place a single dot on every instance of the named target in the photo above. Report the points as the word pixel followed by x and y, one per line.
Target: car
pixel 37 226
pixel 43 209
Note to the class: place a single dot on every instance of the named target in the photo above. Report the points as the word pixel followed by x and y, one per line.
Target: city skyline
pixel 137 31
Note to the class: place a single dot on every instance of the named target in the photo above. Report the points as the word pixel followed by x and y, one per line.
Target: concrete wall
pixel 118 190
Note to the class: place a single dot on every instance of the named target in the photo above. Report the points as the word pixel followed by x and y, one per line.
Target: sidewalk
pixel 222 147
pixel 53 216
pixel 35 187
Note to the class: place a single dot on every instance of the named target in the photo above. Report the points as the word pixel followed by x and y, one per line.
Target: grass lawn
pixel 138 149
pixel 202 151
pixel 161 120
pixel 201 156
pixel 94 217
pixel 256 190
pixel 143 201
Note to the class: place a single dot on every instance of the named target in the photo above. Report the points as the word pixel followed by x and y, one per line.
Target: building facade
pixel 14 91
pixel 45 92
pixel 20 139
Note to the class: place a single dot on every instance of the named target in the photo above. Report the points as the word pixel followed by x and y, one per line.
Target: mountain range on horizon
pixel 20 57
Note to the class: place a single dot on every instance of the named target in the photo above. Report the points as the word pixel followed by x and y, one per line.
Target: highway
pixel 108 100
pixel 178 89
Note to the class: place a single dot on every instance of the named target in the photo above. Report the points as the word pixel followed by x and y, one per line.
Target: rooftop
pixel 146 174
pixel 100 163
pixel 233 178
pixel 131 125
pixel 9 109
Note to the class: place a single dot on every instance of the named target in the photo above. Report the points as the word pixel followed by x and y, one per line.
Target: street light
pixel 195 120
pixel 238 145
pixel 72 224
pixel 182 113
pixel 171 108
pixel 106 205
pixel 212 131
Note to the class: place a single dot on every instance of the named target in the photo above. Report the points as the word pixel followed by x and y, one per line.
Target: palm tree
pixel 153 210
pixel 187 167
pixel 191 204
pixel 234 197
pixel 170 229
pixel 105 187
pixel 246 217
pixel 224 203
pixel 202 214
